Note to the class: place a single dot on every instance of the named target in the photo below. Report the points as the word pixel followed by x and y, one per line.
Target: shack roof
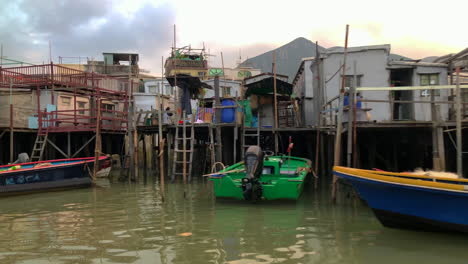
pixel 416 64
pixel 385 47
pixel 263 85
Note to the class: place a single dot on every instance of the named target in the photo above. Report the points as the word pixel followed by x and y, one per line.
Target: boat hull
pixel 61 174
pixel 409 205
pixel 282 189
pixel 284 183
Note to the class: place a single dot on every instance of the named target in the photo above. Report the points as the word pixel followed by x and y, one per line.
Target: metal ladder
pixel 180 143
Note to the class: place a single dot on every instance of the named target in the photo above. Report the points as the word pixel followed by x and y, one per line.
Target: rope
pixel 213 168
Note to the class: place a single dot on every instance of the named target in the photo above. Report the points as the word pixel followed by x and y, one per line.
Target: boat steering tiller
pixel 251 186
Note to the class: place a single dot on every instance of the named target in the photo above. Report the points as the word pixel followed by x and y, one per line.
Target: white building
pixel 147 95
pixel 374 68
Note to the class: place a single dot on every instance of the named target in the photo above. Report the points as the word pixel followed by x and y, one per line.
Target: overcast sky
pixel 243 28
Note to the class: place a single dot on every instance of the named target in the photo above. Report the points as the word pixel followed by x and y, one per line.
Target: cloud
pixel 85 28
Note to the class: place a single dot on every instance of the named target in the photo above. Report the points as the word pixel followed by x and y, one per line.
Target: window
pixel 201 74
pixel 349 81
pixel 81 105
pixel 226 90
pixel 141 87
pixel 108 107
pixel 429 79
pixel 153 89
pixel 169 89
pixel 66 100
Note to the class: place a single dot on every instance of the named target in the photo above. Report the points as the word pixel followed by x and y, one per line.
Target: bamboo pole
pixel 339 125
pixel 176 90
pixel 355 100
pixel 318 82
pixel 11 124
pixel 217 124
pixel 459 128
pixel 275 103
pixel 97 147
pixel 184 144
pixel 224 74
pixel 435 151
pixel 351 117
pixel 130 124
pixel 160 134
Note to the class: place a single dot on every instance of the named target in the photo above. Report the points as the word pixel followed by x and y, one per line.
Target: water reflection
pixel 122 223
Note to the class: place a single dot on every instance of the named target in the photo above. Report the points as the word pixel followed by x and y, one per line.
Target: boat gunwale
pixel 414 183
pixel 403 174
pixel 78 162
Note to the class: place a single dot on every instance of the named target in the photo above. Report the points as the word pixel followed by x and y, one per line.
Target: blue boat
pixel 406 200
pixel 46 175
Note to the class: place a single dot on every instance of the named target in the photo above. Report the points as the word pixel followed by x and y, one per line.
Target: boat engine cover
pixel 253 161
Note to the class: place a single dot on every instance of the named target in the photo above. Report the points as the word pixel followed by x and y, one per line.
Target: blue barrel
pixel 228 115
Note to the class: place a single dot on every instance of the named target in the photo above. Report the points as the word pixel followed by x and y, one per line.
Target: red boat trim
pixel 78 161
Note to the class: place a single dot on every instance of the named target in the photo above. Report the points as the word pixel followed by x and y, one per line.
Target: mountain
pixel 288 57
pixel 430 59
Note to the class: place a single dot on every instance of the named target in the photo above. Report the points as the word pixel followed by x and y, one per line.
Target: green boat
pixel 262 178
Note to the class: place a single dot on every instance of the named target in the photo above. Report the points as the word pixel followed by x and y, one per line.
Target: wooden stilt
pixel 459 126
pixel 97 148
pixel 339 125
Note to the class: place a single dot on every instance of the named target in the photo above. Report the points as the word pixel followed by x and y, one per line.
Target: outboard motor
pixel 22 158
pixel 253 161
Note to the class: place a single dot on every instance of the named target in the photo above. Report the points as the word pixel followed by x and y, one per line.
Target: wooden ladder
pixel 181 150
pixel 248 134
pixel 39 145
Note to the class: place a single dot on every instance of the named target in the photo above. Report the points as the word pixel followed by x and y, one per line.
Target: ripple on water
pixel 128 224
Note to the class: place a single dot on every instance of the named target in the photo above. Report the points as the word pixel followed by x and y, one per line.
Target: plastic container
pixel 228 114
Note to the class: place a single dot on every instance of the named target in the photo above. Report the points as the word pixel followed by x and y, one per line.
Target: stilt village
pixel 358 107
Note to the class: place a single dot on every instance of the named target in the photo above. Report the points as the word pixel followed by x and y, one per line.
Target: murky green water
pixel 121 223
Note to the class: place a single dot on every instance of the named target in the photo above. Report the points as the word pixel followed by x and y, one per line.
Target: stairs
pixel 183 144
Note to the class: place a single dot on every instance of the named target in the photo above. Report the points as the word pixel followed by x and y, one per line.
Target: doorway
pixel 398 78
